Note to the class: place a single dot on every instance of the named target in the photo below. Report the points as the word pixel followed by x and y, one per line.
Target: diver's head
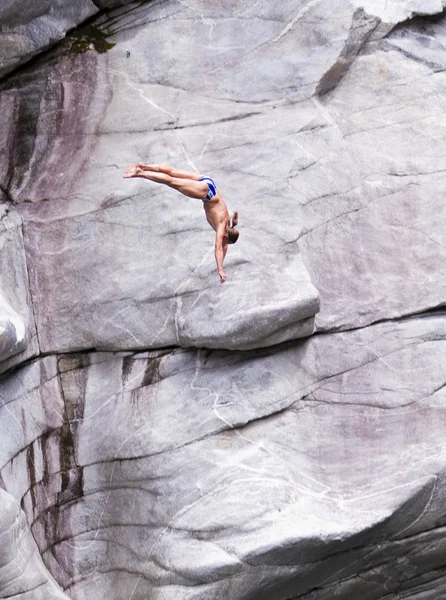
pixel 231 232
pixel 232 235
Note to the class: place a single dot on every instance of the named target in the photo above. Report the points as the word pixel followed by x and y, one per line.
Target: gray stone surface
pixel 310 470
pixel 194 474
pixel 22 573
pixel 17 329
pixel 318 160
pixel 176 294
pixel 27 28
pixel 380 229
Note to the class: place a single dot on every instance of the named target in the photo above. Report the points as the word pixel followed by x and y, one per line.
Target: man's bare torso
pixel 216 211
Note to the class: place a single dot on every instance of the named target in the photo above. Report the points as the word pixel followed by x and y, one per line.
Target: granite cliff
pixel 277 437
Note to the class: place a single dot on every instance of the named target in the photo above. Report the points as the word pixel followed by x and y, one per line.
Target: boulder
pixel 28 28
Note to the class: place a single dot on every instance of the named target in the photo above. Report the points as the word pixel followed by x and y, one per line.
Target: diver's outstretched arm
pixel 220 251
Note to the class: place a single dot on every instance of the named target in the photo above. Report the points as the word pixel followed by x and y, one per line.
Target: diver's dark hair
pixel 232 235
pixel 232 232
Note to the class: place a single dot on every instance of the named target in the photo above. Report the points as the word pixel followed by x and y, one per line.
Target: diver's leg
pixel 168 170
pixel 188 187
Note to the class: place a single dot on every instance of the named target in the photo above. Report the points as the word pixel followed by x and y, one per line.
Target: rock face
pixel 248 475
pixel 276 437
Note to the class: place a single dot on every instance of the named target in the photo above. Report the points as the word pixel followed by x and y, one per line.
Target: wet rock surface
pixel 276 437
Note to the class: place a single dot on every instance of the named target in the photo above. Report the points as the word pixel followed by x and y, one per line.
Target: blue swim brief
pixel 212 188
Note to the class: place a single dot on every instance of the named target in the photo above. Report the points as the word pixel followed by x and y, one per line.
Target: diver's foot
pixel 131 172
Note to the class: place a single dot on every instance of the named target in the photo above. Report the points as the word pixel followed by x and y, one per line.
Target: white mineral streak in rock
pixel 312 470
